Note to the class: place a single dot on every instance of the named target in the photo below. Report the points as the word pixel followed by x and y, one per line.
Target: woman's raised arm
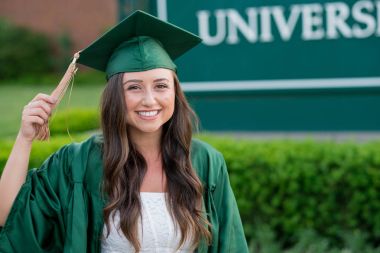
pixel 34 114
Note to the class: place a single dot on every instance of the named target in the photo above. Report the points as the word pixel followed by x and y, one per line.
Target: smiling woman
pixel 143 185
pixel 149 98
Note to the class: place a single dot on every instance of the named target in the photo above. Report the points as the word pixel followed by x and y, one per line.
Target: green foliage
pixel 291 185
pixel 40 151
pixel 22 52
pixel 308 241
pixel 74 120
pixel 26 57
pixel 65 43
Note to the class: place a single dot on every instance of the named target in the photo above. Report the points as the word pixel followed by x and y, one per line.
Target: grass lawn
pixel 14 97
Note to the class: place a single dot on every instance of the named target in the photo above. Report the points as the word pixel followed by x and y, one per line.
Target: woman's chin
pixel 147 130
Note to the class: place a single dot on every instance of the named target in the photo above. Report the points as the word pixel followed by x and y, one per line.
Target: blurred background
pixel 288 91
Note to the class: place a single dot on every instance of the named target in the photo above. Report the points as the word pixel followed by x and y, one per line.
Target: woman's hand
pixel 36 113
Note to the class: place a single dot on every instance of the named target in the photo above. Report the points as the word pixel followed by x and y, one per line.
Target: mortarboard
pixel 139 42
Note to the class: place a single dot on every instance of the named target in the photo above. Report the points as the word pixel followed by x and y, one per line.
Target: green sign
pixel 275 65
pixel 279 44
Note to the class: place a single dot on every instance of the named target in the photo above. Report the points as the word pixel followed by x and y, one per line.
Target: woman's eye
pixel 162 85
pixel 132 87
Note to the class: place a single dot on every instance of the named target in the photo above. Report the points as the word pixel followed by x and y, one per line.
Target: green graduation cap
pixel 139 42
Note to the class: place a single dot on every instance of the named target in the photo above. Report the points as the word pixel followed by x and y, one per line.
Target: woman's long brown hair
pixel 125 167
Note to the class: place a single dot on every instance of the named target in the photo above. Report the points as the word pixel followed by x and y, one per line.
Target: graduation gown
pixel 60 207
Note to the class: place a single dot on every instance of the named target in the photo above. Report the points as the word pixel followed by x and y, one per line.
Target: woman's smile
pixel 148 115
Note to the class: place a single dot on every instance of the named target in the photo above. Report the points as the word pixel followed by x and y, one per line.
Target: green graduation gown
pixel 60 207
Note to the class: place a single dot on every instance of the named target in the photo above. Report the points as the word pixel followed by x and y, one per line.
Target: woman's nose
pixel 148 99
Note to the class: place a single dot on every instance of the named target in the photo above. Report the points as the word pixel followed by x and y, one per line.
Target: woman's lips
pixel 150 115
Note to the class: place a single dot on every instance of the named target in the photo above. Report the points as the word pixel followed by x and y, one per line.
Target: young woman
pixel 143 185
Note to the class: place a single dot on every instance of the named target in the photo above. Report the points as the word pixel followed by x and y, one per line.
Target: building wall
pixel 82 20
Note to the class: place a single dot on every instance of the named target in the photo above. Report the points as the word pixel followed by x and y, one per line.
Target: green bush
pixel 23 52
pixel 40 151
pixel 289 185
pixel 308 241
pixel 74 120
pixel 330 188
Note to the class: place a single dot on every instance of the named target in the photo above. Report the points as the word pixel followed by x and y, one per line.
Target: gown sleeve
pixel 36 222
pixel 231 233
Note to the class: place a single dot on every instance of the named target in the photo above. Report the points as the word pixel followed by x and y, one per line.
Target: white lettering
pixel 337 14
pixel 312 22
pixel 378 18
pixel 266 31
pixel 203 27
pixel 332 20
pixel 362 17
pixel 236 23
pixel 286 28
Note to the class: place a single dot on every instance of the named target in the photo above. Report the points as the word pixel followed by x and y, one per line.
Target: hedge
pixel 23 52
pixel 74 120
pixel 291 185
pixel 40 151
pixel 325 186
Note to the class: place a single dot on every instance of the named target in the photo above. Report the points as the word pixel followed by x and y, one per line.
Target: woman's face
pixel 149 97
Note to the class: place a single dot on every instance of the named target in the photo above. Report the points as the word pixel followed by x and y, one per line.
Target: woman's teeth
pixel 148 113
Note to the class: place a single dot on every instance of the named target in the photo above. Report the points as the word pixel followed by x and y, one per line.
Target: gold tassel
pixel 43 132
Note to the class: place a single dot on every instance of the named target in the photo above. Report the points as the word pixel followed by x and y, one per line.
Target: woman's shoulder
pixel 86 149
pixel 72 159
pixel 207 161
pixel 79 148
pixel 199 147
pixel 91 142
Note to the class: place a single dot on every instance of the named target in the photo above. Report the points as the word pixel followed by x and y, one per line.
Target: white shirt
pixel 158 229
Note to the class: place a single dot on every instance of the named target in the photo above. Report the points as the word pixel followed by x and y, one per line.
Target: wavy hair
pixel 125 167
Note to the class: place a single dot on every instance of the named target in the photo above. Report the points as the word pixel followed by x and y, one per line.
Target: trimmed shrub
pixel 23 52
pixel 308 241
pixel 74 120
pixel 40 151
pixel 292 185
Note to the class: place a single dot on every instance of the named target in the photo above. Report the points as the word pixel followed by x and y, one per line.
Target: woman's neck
pixel 148 144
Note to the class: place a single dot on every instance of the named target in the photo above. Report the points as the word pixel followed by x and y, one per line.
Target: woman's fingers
pixel 40 104
pixel 43 101
pixel 35 120
pixel 44 97
pixel 37 112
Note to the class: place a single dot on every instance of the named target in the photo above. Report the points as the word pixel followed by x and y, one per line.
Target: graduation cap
pixel 139 42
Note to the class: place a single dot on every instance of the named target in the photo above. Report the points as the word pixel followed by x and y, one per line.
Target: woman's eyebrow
pixel 133 81
pixel 161 79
